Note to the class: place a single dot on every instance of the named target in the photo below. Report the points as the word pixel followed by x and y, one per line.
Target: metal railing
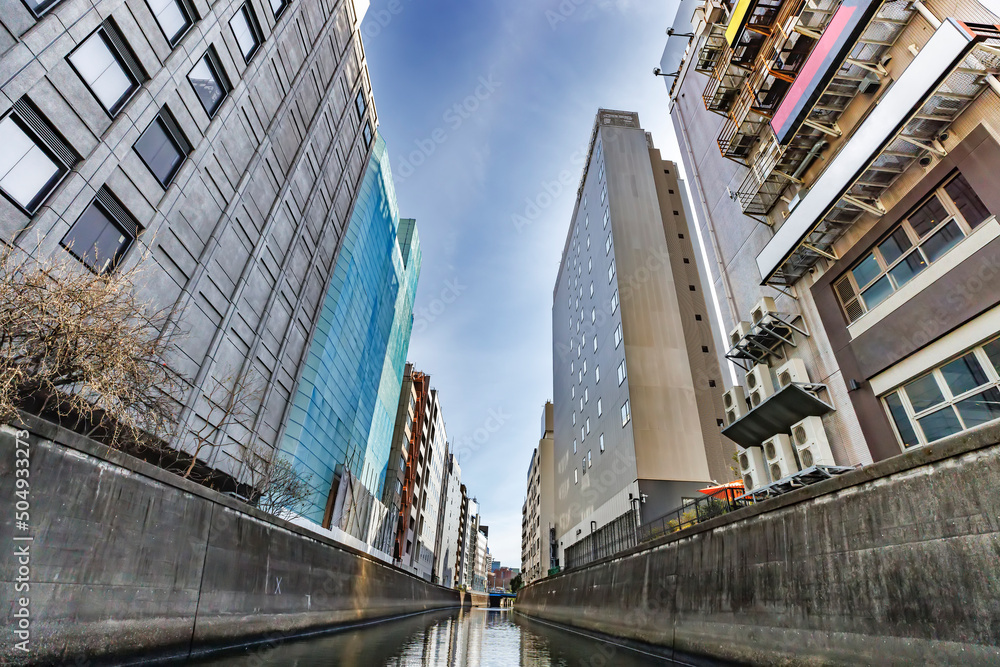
pixel 694 512
pixel 614 537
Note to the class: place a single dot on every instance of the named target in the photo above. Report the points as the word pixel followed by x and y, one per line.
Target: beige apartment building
pixel 537 513
pixel 637 406
pixel 843 159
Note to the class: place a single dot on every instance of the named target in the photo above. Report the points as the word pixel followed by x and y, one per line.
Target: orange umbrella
pixel 722 491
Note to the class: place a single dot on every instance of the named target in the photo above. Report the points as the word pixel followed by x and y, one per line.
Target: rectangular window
pixel 587 425
pixel 604 193
pixel 34 160
pixel 956 396
pixel 600 409
pixel 107 67
pixel 246 29
pixel 584 366
pixel 924 236
pixel 626 413
pixel 611 272
pixel 614 302
pixel 368 134
pixel 602 443
pixel 607 217
pixel 618 335
pixel 576 477
pixel 39 7
pixel 278 7
pixel 586 395
pixel 574 446
pixel 209 83
pixel 593 315
pixel 102 235
pixel 173 18
pixel 590 459
pixel 586 225
pixel 162 147
pixel 607 245
pixel 597 374
pixel 590 265
pixel 583 434
pixel 595 343
pixel 360 105
pixel 621 372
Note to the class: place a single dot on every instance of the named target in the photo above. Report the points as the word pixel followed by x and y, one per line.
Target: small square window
pixel 697 318
pixel 246 29
pixel 687 261
pixel 278 7
pixel 691 288
pixel 102 235
pixel 208 82
pixel 30 169
pixel 711 383
pixel 162 147
pixel 670 191
pixel 107 68
pixel 680 236
pixel 676 213
pixel 173 18
pixel 704 348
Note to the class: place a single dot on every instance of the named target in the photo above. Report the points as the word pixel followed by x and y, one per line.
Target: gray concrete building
pixel 537 514
pixel 219 144
pixel 449 523
pixel 637 408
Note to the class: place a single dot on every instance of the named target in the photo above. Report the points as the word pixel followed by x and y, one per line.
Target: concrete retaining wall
pixel 895 563
pixel 126 558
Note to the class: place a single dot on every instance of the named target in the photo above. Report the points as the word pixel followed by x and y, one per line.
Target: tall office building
pixel 339 431
pixel 537 515
pixel 844 160
pixel 463 560
pixel 221 144
pixel 635 374
pixel 419 445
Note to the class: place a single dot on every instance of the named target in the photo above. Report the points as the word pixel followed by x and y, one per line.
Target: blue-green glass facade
pixel 345 402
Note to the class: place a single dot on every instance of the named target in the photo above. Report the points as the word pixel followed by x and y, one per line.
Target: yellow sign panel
pixel 737 21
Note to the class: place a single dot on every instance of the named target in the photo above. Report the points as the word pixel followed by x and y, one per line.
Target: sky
pixel 487 107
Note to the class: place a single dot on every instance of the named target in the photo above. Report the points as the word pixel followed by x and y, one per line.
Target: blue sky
pixel 483 106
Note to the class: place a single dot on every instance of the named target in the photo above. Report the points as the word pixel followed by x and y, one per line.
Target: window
pixel 208 82
pixel 39 7
pixel 678 213
pixel 618 335
pixel 585 201
pixel 588 241
pixel 368 133
pixel 30 168
pixel 600 408
pixel 162 147
pixel 574 419
pixel 584 366
pixel 602 443
pixel 402 462
pixel 614 302
pixel 604 193
pixel 246 29
pixel 574 445
pixel 571 368
pixel 687 261
pixel 956 396
pixel 572 391
pixel 591 289
pixel 621 372
pixel 600 176
pixel 586 425
pixel 626 413
pixel 579 377
pixel 590 459
pixel 102 235
pixel 595 343
pixel 593 315
pixel 590 266
pixel 680 236
pixel 607 245
pixel 691 288
pixel 399 488
pixel 607 218
pixel 581 404
pixel 711 383
pixel 597 374
pixel 586 395
pixel 611 272
pixel 924 236
pixel 583 465
pixel 173 18
pixel 704 348
pixel 583 434
pixel 278 6
pixel 586 225
pixel 107 67
pixel 576 478
pixel 697 318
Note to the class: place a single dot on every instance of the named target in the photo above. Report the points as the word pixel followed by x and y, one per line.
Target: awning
pixel 943 53
pixel 777 414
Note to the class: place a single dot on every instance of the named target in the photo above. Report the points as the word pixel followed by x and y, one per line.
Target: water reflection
pixel 455 638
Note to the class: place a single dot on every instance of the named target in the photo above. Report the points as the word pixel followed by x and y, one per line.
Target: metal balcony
pixel 945 77
pixel 713 48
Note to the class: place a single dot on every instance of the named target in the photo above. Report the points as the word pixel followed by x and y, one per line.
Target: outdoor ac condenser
pixel 763 308
pixel 753 468
pixel 793 370
pixel 759 384
pixel 741 330
pixel 735 403
pixel 811 443
pixel 780 457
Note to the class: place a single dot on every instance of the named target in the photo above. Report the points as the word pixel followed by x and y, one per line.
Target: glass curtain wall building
pixel 340 429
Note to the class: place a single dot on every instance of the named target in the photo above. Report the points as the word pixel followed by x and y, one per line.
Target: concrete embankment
pixel 127 559
pixel 894 563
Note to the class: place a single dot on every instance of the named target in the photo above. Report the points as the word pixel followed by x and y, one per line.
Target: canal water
pixel 454 638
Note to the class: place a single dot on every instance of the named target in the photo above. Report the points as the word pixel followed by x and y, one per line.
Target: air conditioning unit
pixel 793 370
pixel 811 443
pixel 741 330
pixel 780 457
pixel 759 384
pixel 869 83
pixel 753 468
pixel 735 403
pixel 763 308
